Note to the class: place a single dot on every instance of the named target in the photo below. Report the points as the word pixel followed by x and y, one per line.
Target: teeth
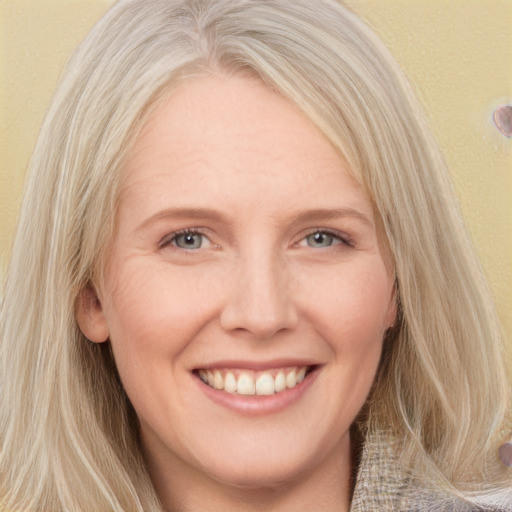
pixel 230 383
pixel 280 382
pixel 291 379
pixel 218 380
pixel 247 383
pixel 265 384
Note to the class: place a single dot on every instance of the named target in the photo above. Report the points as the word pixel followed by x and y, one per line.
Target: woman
pixel 240 281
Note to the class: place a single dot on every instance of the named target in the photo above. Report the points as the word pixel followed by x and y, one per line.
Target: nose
pixel 260 304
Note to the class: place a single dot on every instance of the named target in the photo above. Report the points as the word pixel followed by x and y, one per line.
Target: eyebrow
pixel 183 213
pixel 316 215
pixel 322 214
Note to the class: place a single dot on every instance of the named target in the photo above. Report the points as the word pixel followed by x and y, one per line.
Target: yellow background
pixel 458 53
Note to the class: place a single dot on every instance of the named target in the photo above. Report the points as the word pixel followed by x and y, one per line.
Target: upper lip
pixel 257 365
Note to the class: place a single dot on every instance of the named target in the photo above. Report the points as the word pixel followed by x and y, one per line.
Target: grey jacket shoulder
pixel 382 485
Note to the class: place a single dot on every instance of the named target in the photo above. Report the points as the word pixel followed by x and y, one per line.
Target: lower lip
pixel 255 405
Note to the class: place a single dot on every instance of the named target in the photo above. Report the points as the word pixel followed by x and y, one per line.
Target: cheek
pixel 152 321
pixel 354 306
pixel 155 310
pixel 354 322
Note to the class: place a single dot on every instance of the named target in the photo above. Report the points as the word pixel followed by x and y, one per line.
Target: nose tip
pixel 260 305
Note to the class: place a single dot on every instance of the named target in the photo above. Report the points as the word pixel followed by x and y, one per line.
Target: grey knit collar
pixel 382 485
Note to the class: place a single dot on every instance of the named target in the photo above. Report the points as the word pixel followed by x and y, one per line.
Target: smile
pixel 247 382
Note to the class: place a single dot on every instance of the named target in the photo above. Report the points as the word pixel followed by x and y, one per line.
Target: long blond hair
pixel 68 433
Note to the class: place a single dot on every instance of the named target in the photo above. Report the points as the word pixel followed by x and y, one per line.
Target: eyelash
pixel 168 240
pixel 340 237
pixel 343 238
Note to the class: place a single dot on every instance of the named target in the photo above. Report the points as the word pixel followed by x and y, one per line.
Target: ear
pixel 90 316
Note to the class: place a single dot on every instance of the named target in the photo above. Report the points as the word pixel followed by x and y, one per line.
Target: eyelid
pixel 343 237
pixel 165 241
pixel 168 238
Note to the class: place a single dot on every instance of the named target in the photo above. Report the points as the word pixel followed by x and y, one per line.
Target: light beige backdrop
pixel 457 52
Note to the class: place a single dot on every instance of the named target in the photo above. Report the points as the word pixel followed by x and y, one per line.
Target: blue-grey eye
pixel 188 240
pixel 320 239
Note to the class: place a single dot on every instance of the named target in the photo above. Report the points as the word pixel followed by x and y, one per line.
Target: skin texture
pixel 252 178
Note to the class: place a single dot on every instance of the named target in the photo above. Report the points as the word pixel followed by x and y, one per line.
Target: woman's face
pixel 246 256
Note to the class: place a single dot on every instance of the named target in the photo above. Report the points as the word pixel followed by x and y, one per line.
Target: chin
pixel 274 467
pixel 262 480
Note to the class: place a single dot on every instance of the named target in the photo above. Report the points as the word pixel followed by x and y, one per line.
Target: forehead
pixel 205 126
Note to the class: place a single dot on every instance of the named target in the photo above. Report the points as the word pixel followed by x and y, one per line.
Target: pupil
pixel 320 239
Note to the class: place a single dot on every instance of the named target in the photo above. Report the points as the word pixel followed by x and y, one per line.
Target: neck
pixel 325 486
